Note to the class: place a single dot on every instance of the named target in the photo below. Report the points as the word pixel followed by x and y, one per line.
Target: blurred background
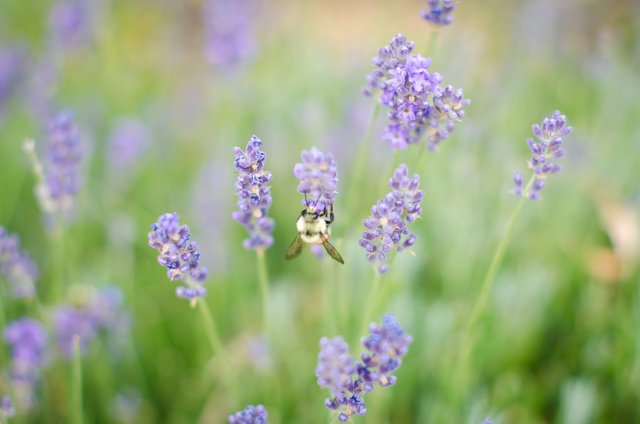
pixel 162 91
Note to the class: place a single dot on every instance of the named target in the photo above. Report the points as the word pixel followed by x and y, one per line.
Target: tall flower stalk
pixel 254 201
pixel 543 152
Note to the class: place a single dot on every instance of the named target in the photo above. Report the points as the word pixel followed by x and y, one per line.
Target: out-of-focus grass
pixel 559 341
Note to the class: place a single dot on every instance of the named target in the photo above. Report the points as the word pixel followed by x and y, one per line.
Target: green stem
pixel 421 157
pixel 372 303
pixel 210 327
pixel 490 276
pixel 263 280
pixel 76 383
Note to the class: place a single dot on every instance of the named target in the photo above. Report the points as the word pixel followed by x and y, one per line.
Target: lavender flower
pixel 89 314
pixel 70 22
pixel 250 415
pixel 229 35
pixel 386 344
pixel 417 103
pixel 179 255
pixel 6 409
pixel 335 365
pixel 16 266
pixel 60 174
pixel 318 179
pixel 486 421
pixel 27 340
pixel 347 380
pixel 12 62
pixel 386 227
pixel 439 11
pixel 254 195
pixel 129 139
pixel 543 154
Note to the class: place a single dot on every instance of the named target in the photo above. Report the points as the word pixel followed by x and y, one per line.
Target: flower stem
pixel 372 303
pixel 490 276
pixel 263 279
pixel 210 327
pixel 76 383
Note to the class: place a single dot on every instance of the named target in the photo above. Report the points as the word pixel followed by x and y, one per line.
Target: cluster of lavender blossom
pixel 386 227
pixel 250 415
pixel 101 311
pixel 439 12
pixel 89 314
pixel 318 177
pixel 543 154
pixel 179 255
pixel 59 173
pixel 254 195
pixel 349 380
pixel 228 28
pixel 16 266
pixel 417 103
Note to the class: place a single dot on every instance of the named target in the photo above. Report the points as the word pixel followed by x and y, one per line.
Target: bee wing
pixel 331 250
pixel 295 248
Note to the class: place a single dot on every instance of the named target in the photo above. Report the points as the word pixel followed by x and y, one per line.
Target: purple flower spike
pixel 70 22
pixel 386 227
pixel 544 152
pixel 12 61
pixel 179 255
pixel 439 12
pixel 63 157
pixel 318 179
pixel 16 266
pixel 229 32
pixel 27 340
pixel 250 415
pixel 416 102
pixel 349 381
pixel 7 409
pixel 335 365
pixel 386 345
pixel 96 311
pixel 128 141
pixel 254 195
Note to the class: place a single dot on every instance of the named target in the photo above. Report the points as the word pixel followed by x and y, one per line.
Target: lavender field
pixel 253 211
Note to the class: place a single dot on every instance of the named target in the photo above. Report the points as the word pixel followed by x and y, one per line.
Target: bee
pixel 314 228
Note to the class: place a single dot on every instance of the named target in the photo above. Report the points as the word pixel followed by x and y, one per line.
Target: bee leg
pixel 331 214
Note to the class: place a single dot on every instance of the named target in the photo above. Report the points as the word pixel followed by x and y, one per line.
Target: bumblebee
pixel 314 228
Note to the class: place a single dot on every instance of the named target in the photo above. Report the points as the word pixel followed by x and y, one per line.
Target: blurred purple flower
pixel 386 344
pixel 179 255
pixel 439 11
pixel 12 61
pixel 27 340
pixel 318 179
pixel 250 415
pixel 99 310
pixel 7 409
pixel 386 227
pixel 348 380
pixel 62 159
pixel 543 154
pixel 70 22
pixel 229 32
pixel 486 421
pixel 335 365
pixel 254 195
pixel 129 139
pixel 417 103
pixel 16 266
